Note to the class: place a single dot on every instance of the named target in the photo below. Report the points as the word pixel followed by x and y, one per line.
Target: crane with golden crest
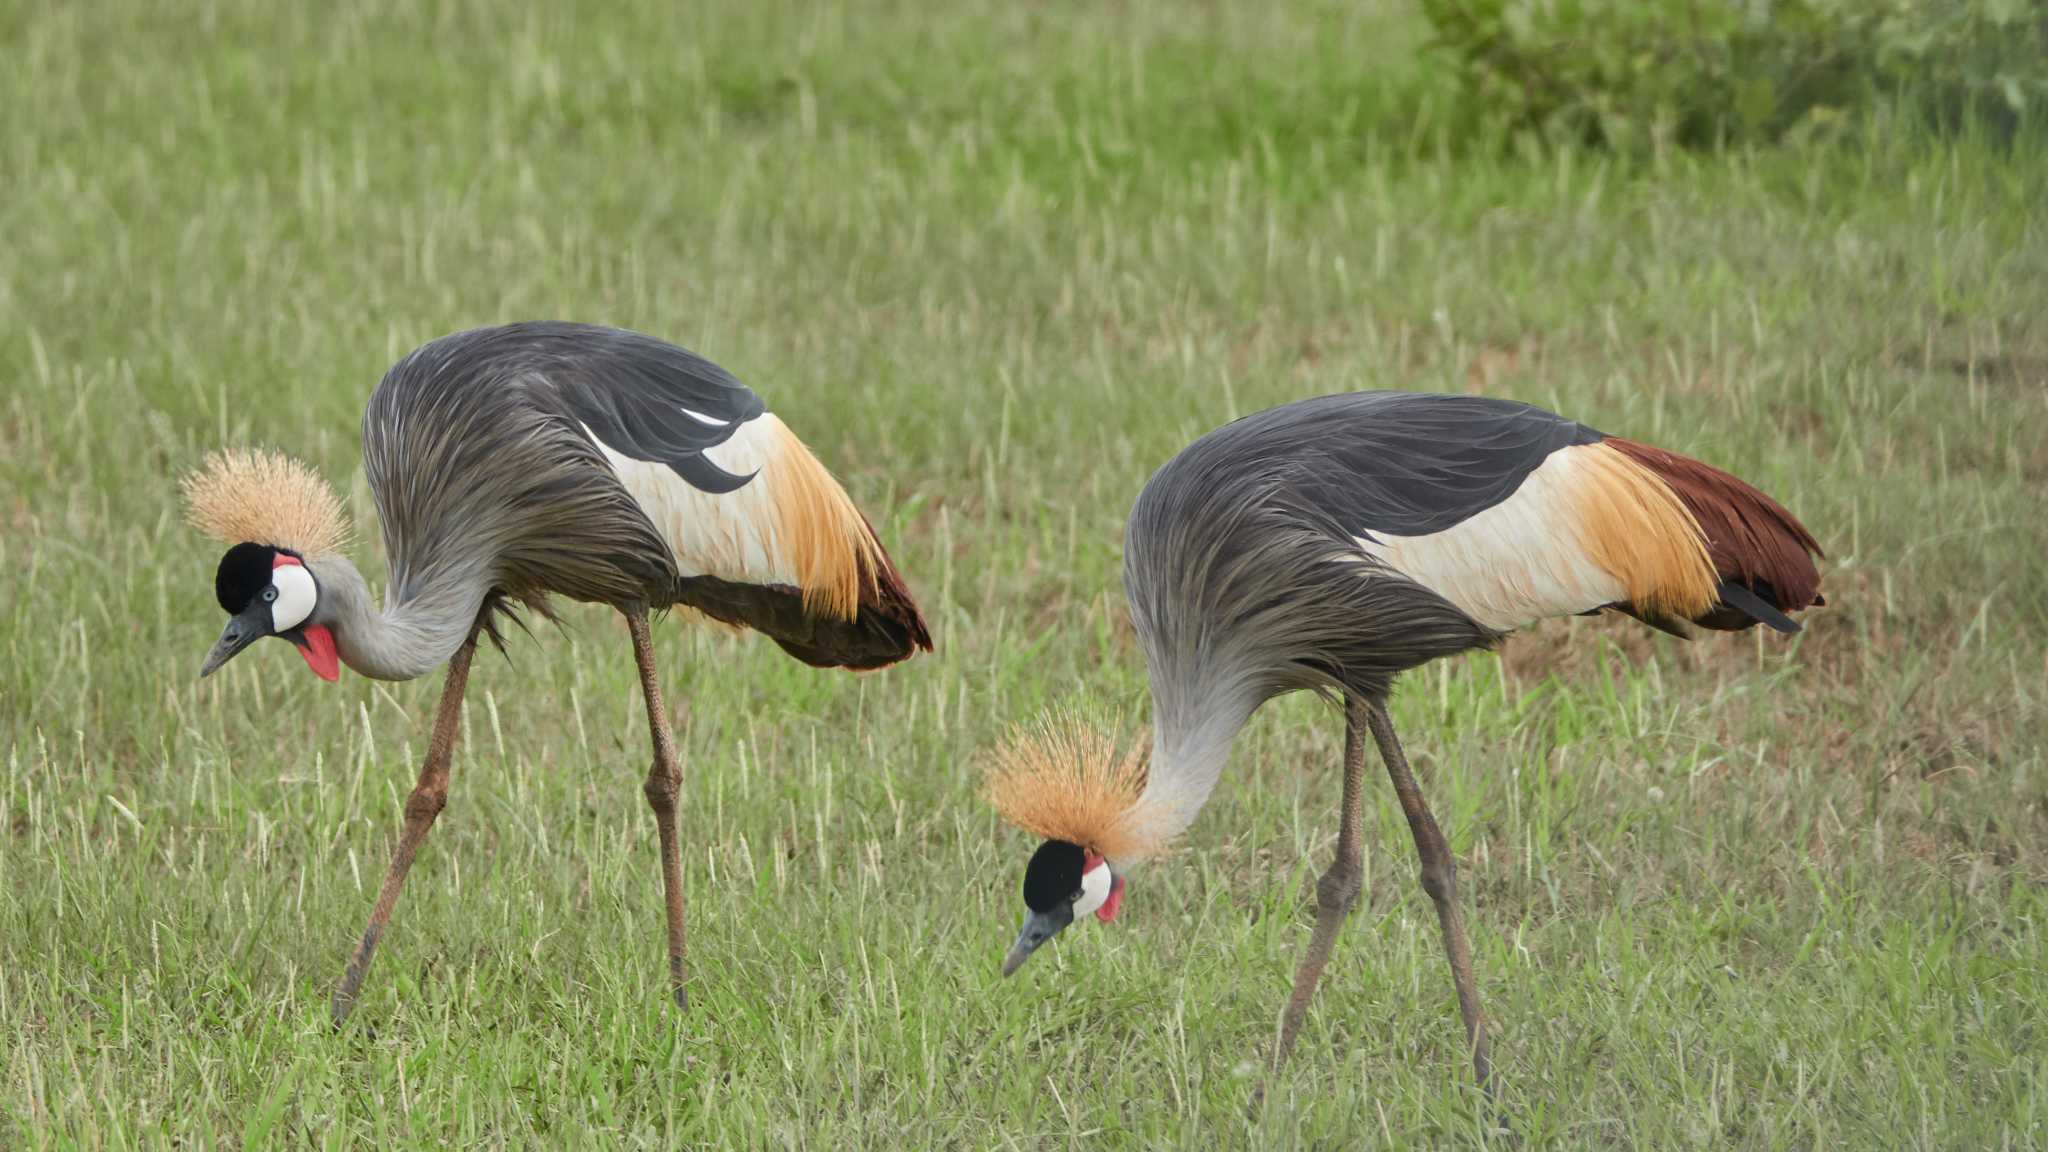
pixel 1332 544
pixel 515 463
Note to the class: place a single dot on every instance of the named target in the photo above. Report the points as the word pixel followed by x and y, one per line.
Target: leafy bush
pixel 1631 72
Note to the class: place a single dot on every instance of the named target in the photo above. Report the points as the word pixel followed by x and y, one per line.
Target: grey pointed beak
pixel 1038 928
pixel 240 632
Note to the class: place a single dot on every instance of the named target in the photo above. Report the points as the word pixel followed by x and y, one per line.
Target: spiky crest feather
pixel 258 496
pixel 1066 777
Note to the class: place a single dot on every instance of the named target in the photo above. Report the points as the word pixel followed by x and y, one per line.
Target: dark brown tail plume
pixel 887 610
pixel 1762 554
pixel 885 629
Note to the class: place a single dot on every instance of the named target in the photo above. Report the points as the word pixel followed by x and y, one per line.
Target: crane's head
pixel 275 513
pixel 1076 786
pixel 270 592
pixel 1063 883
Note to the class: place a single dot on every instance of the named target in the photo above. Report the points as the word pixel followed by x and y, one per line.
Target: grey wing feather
pixel 483 482
pixel 644 398
pixel 1241 562
pixel 486 452
pixel 1404 462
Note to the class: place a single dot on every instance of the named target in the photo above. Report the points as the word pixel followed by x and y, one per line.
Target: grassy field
pixel 996 263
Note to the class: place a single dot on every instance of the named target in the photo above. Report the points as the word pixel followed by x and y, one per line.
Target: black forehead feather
pixel 1053 876
pixel 244 571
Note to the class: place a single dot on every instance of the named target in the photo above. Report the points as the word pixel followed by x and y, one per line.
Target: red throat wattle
pixel 317 646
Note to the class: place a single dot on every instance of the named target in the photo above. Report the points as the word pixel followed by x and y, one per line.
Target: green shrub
pixel 1634 72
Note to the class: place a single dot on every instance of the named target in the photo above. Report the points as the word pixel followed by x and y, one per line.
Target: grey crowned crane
pixel 1332 544
pixel 514 463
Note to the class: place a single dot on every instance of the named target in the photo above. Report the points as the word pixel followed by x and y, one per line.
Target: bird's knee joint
pixel 425 803
pixel 1338 889
pixel 661 790
pixel 1440 878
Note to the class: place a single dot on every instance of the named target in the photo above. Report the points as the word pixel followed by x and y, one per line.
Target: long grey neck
pixel 1193 728
pixel 400 641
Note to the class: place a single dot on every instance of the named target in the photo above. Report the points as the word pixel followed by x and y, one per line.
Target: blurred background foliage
pixel 1649 73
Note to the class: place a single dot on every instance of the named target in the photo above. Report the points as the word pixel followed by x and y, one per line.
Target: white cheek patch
pixel 296 595
pixel 1094 890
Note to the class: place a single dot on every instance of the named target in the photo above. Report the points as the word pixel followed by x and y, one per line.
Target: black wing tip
pixel 700 473
pixel 1756 608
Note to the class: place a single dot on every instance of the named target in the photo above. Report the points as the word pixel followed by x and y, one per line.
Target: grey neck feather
pixel 1193 727
pixel 403 640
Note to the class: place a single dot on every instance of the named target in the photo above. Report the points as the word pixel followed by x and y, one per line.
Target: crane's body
pixel 1332 544
pixel 1336 542
pixel 517 463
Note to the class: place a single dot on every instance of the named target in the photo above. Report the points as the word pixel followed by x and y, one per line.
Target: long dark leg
pixel 663 781
pixel 1440 880
pixel 428 796
pixel 1337 890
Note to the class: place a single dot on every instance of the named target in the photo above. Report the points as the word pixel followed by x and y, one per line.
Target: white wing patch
pixel 729 535
pixel 1517 562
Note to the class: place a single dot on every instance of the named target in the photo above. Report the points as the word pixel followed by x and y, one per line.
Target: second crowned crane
pixel 514 463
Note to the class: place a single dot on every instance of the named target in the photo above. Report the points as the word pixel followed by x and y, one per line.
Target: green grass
pixel 996 263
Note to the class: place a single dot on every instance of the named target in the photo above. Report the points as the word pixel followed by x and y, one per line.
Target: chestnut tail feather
pixel 1761 554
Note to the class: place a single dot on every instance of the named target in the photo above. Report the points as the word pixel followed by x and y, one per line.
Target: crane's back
pixel 608 466
pixel 480 478
pixel 1339 540
pixel 1239 561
